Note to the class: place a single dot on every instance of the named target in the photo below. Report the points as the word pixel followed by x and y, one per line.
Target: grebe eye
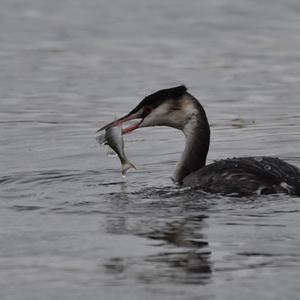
pixel 147 110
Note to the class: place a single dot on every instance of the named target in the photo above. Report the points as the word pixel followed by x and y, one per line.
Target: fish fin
pixel 126 166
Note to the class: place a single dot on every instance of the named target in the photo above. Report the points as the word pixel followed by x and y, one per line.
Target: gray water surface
pixel 70 226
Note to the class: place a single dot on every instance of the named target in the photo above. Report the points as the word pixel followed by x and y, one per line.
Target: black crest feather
pixel 160 96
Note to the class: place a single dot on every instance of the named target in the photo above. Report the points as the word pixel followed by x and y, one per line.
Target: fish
pixel 113 137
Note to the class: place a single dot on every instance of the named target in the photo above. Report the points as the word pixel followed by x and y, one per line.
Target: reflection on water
pixel 191 264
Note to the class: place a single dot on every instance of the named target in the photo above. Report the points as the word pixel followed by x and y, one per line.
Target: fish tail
pixel 126 165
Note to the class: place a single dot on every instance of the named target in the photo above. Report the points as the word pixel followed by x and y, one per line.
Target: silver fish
pixel 114 139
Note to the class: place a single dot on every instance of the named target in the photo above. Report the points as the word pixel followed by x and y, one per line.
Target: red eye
pixel 147 110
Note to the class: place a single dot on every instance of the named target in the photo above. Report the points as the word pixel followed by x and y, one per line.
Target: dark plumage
pixel 245 176
pixel 157 98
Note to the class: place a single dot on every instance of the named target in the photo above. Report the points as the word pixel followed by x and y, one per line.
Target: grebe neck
pixel 197 136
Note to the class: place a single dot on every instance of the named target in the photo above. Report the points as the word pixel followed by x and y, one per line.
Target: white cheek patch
pixel 159 116
pixel 161 110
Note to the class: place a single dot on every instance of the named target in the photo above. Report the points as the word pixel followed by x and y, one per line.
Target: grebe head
pixel 176 108
pixel 172 107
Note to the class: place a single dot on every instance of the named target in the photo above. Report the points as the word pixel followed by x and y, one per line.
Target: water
pixel 70 226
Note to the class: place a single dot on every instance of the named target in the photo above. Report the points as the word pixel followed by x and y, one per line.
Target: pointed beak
pixel 119 122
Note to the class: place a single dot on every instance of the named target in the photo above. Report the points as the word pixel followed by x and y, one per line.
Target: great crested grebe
pixel 175 107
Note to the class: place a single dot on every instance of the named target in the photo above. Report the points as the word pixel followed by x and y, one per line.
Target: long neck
pixel 197 134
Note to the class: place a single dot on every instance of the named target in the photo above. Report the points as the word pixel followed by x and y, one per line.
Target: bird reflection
pixel 190 264
pixel 187 259
pixel 181 233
